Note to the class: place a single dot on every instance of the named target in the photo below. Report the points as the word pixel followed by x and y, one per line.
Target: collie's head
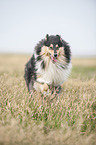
pixel 53 48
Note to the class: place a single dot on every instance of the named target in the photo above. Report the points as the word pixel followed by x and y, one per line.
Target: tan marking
pixel 61 55
pixel 51 52
pixel 45 55
pixel 57 52
pixel 61 51
pixel 44 50
pixel 51 45
pixel 44 87
pixel 56 45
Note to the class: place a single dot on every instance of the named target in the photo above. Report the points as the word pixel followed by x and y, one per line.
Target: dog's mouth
pixel 53 58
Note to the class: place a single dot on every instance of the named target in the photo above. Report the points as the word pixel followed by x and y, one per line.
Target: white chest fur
pixel 54 74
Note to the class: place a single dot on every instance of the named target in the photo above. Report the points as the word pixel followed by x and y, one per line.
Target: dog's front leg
pixel 41 87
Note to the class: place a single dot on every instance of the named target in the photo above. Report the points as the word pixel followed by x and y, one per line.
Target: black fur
pixel 38 58
pixel 30 72
pixel 43 64
pixel 67 51
pixel 39 46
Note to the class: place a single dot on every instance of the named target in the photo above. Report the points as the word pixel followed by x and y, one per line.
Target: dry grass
pixel 67 119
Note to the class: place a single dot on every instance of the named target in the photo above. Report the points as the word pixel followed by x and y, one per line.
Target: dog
pixel 49 66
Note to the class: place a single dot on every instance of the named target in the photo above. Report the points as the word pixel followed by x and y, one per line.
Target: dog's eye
pixel 51 46
pixel 57 46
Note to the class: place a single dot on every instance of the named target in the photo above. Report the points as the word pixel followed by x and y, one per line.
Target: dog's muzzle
pixel 54 58
pixel 55 54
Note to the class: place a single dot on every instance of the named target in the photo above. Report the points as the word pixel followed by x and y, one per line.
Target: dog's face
pixel 53 48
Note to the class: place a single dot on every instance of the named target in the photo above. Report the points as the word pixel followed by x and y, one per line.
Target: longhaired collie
pixel 49 66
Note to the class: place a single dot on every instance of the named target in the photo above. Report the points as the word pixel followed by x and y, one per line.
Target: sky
pixel 23 23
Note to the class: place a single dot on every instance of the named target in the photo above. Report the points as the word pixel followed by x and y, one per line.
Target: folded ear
pixel 60 39
pixel 47 37
pixel 58 36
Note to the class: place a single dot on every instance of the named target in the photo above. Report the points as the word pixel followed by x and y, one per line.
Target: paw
pixel 44 87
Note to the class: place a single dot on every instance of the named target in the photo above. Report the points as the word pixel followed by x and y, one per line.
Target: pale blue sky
pixel 24 22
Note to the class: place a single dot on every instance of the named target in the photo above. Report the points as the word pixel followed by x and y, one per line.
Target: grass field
pixel 68 119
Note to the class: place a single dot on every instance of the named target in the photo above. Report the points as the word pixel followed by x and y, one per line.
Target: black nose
pixel 55 54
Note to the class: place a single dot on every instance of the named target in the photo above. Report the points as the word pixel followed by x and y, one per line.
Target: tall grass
pixel 65 119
